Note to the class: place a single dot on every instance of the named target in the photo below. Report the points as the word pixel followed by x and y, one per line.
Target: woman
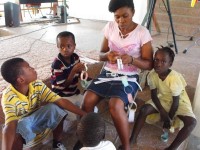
pixel 131 43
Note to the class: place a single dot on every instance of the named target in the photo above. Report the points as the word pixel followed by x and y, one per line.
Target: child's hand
pixel 164 116
pixel 167 125
pixel 78 67
pixel 112 57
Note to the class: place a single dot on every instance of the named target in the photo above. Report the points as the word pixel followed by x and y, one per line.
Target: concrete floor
pixel 36 43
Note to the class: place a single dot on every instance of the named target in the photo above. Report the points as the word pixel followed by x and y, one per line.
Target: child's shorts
pixel 48 116
pixel 112 88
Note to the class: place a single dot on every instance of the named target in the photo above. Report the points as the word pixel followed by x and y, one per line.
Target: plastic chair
pixel 35 7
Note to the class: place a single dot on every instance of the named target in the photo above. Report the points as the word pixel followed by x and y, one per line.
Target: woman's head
pixel 163 59
pixel 123 13
pixel 116 4
pixel 91 129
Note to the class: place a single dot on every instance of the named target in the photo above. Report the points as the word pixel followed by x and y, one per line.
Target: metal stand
pixel 152 4
pixel 65 12
pixel 196 43
pixel 149 15
pixel 171 23
pixel 62 12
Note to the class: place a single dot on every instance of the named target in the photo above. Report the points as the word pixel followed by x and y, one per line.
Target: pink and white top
pixel 130 45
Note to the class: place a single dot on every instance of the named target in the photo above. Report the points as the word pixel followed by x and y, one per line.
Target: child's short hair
pixel 11 69
pixel 167 50
pixel 116 4
pixel 65 34
pixel 91 129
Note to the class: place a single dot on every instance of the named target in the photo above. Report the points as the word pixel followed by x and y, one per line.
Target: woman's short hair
pixel 116 4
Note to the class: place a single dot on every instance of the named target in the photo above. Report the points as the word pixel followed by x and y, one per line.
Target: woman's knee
pixel 90 100
pixel 116 106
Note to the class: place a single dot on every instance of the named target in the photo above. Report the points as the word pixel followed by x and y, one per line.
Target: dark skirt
pixel 113 88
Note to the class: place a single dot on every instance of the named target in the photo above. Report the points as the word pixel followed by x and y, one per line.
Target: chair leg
pixel 29 13
pixel 41 12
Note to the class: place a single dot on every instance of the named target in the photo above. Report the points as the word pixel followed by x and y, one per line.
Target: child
pixel 91 133
pixel 23 103
pixel 66 68
pixel 170 101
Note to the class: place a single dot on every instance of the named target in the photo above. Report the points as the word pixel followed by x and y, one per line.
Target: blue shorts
pixel 48 116
pixel 113 88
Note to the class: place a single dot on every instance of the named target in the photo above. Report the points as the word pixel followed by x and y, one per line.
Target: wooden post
pixel 156 23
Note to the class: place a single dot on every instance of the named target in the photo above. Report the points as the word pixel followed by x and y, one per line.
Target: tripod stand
pixel 149 15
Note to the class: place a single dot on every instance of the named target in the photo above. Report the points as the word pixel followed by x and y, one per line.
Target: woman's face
pixel 123 17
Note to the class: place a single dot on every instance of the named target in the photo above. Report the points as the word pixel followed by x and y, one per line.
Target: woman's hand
pixel 112 57
pixel 126 59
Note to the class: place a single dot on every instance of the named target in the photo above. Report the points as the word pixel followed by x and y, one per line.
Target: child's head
pixel 91 129
pixel 66 43
pixel 163 59
pixel 17 71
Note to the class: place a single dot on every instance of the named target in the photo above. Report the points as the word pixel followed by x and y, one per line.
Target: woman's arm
pixel 104 49
pixel 106 54
pixel 145 62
